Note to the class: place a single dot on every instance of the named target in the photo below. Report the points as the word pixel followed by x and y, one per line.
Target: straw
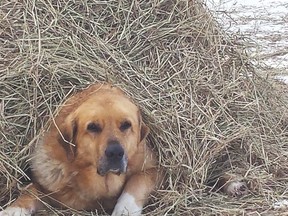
pixel 208 110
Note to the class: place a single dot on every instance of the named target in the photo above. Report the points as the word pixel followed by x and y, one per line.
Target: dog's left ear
pixel 144 129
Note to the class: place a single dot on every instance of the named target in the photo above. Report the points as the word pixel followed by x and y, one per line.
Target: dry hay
pixel 208 111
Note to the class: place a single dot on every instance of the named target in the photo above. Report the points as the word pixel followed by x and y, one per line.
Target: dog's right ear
pixel 67 137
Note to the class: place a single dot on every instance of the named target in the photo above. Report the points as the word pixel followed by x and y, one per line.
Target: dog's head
pixel 105 131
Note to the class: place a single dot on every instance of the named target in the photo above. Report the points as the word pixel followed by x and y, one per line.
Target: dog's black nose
pixel 114 151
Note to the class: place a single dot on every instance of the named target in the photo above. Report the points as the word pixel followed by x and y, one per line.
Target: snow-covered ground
pixel 263 21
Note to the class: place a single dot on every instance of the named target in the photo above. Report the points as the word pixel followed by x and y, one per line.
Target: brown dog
pixel 93 156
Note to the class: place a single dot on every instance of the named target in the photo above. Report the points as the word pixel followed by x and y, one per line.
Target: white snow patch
pixel 264 21
pixel 283 204
pixel 282 78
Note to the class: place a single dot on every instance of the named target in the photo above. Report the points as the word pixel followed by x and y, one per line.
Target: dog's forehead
pixel 108 106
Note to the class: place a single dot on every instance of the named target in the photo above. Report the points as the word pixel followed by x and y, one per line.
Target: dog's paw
pixel 126 205
pixel 236 188
pixel 15 211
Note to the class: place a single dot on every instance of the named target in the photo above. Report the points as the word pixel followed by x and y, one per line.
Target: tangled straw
pixel 208 111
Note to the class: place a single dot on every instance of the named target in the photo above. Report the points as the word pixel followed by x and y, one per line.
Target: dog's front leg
pixel 25 205
pixel 135 193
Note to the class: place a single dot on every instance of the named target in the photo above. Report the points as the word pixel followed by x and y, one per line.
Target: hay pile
pixel 208 111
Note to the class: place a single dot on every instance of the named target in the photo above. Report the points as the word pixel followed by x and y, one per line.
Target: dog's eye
pixel 93 127
pixel 125 125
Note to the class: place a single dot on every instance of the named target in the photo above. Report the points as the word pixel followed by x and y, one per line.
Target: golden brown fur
pixel 66 160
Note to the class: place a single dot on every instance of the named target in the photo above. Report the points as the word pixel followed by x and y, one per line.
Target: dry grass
pixel 208 111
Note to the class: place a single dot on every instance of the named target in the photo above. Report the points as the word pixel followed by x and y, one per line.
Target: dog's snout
pixel 114 151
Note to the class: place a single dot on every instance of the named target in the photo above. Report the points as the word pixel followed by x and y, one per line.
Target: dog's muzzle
pixel 114 160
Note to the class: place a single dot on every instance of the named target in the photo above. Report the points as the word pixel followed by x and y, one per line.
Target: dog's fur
pixel 231 185
pixel 70 166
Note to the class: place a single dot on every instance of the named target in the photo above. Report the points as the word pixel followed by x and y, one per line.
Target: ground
pixel 264 24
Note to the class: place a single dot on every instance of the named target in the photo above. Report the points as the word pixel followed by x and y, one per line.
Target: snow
pixel 282 78
pixel 282 204
pixel 263 21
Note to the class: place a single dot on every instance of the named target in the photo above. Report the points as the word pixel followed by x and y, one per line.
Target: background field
pixel 263 24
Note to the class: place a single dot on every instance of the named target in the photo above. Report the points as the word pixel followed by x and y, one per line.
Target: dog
pixel 232 185
pixel 93 156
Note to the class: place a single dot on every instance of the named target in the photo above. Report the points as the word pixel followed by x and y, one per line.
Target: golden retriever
pixel 93 155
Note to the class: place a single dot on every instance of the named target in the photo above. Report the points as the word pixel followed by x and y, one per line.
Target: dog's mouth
pixel 116 171
pixel 106 167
